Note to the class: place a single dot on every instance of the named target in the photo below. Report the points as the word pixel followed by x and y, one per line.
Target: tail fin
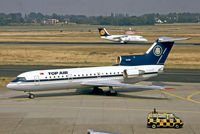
pixel 160 50
pixel 103 32
pixel 156 54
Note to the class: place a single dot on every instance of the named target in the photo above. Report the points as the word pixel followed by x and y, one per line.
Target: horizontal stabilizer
pixel 170 39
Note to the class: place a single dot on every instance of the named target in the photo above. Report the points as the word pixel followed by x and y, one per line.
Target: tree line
pixel 113 19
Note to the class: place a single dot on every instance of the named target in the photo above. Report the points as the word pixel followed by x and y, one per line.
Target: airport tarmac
pixel 75 111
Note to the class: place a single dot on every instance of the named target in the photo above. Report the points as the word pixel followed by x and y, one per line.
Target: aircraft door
pixel 70 77
pixel 98 75
pixel 36 80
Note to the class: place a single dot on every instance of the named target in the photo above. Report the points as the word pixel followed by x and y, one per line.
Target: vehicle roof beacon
pixel 154 110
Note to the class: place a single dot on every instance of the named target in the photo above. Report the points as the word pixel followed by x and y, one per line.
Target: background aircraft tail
pixel 155 55
pixel 103 32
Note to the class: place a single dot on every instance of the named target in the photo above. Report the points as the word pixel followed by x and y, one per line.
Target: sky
pixel 99 7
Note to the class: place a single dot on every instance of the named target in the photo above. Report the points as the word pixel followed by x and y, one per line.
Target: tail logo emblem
pixel 157 50
pixel 102 32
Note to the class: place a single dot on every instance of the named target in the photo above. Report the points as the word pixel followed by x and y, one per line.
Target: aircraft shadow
pixel 40 95
pixel 89 92
pixel 130 90
pixel 140 97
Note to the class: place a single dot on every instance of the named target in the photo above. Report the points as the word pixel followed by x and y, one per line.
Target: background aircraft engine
pixel 130 73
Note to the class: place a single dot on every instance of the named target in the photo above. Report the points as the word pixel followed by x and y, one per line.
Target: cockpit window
pixel 19 79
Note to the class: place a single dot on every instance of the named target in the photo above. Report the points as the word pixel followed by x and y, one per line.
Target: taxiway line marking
pixel 188 98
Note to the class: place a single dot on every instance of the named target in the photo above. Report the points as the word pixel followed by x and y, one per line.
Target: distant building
pixel 159 21
pixel 50 21
pixel 130 31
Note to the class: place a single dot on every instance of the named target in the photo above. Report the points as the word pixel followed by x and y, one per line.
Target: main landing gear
pixel 31 96
pixel 97 90
pixel 111 92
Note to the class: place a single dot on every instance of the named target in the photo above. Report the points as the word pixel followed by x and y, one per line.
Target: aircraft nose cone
pixel 11 86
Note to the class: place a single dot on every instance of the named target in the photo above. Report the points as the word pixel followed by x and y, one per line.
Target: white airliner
pixel 129 69
pixel 120 38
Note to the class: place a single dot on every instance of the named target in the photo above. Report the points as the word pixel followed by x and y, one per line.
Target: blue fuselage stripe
pixel 75 78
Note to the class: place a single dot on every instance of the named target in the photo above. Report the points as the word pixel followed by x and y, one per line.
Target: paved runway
pixel 73 112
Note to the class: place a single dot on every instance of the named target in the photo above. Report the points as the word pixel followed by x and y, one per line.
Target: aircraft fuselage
pixel 42 80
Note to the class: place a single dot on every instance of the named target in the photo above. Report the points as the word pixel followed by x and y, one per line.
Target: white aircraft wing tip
pixel 170 39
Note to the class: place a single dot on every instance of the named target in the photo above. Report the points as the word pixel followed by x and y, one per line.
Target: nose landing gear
pixel 31 96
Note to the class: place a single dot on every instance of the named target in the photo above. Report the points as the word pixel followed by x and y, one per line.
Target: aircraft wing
pixel 118 84
pixel 119 38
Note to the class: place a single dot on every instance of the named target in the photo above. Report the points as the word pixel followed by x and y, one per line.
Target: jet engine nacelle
pixel 122 60
pixel 131 60
pixel 130 73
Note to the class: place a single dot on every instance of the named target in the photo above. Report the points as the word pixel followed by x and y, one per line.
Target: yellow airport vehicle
pixel 157 119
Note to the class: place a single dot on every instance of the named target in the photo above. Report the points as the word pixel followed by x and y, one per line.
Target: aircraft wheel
pixel 177 126
pixel 109 93
pixel 153 126
pixel 31 96
pixel 97 90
